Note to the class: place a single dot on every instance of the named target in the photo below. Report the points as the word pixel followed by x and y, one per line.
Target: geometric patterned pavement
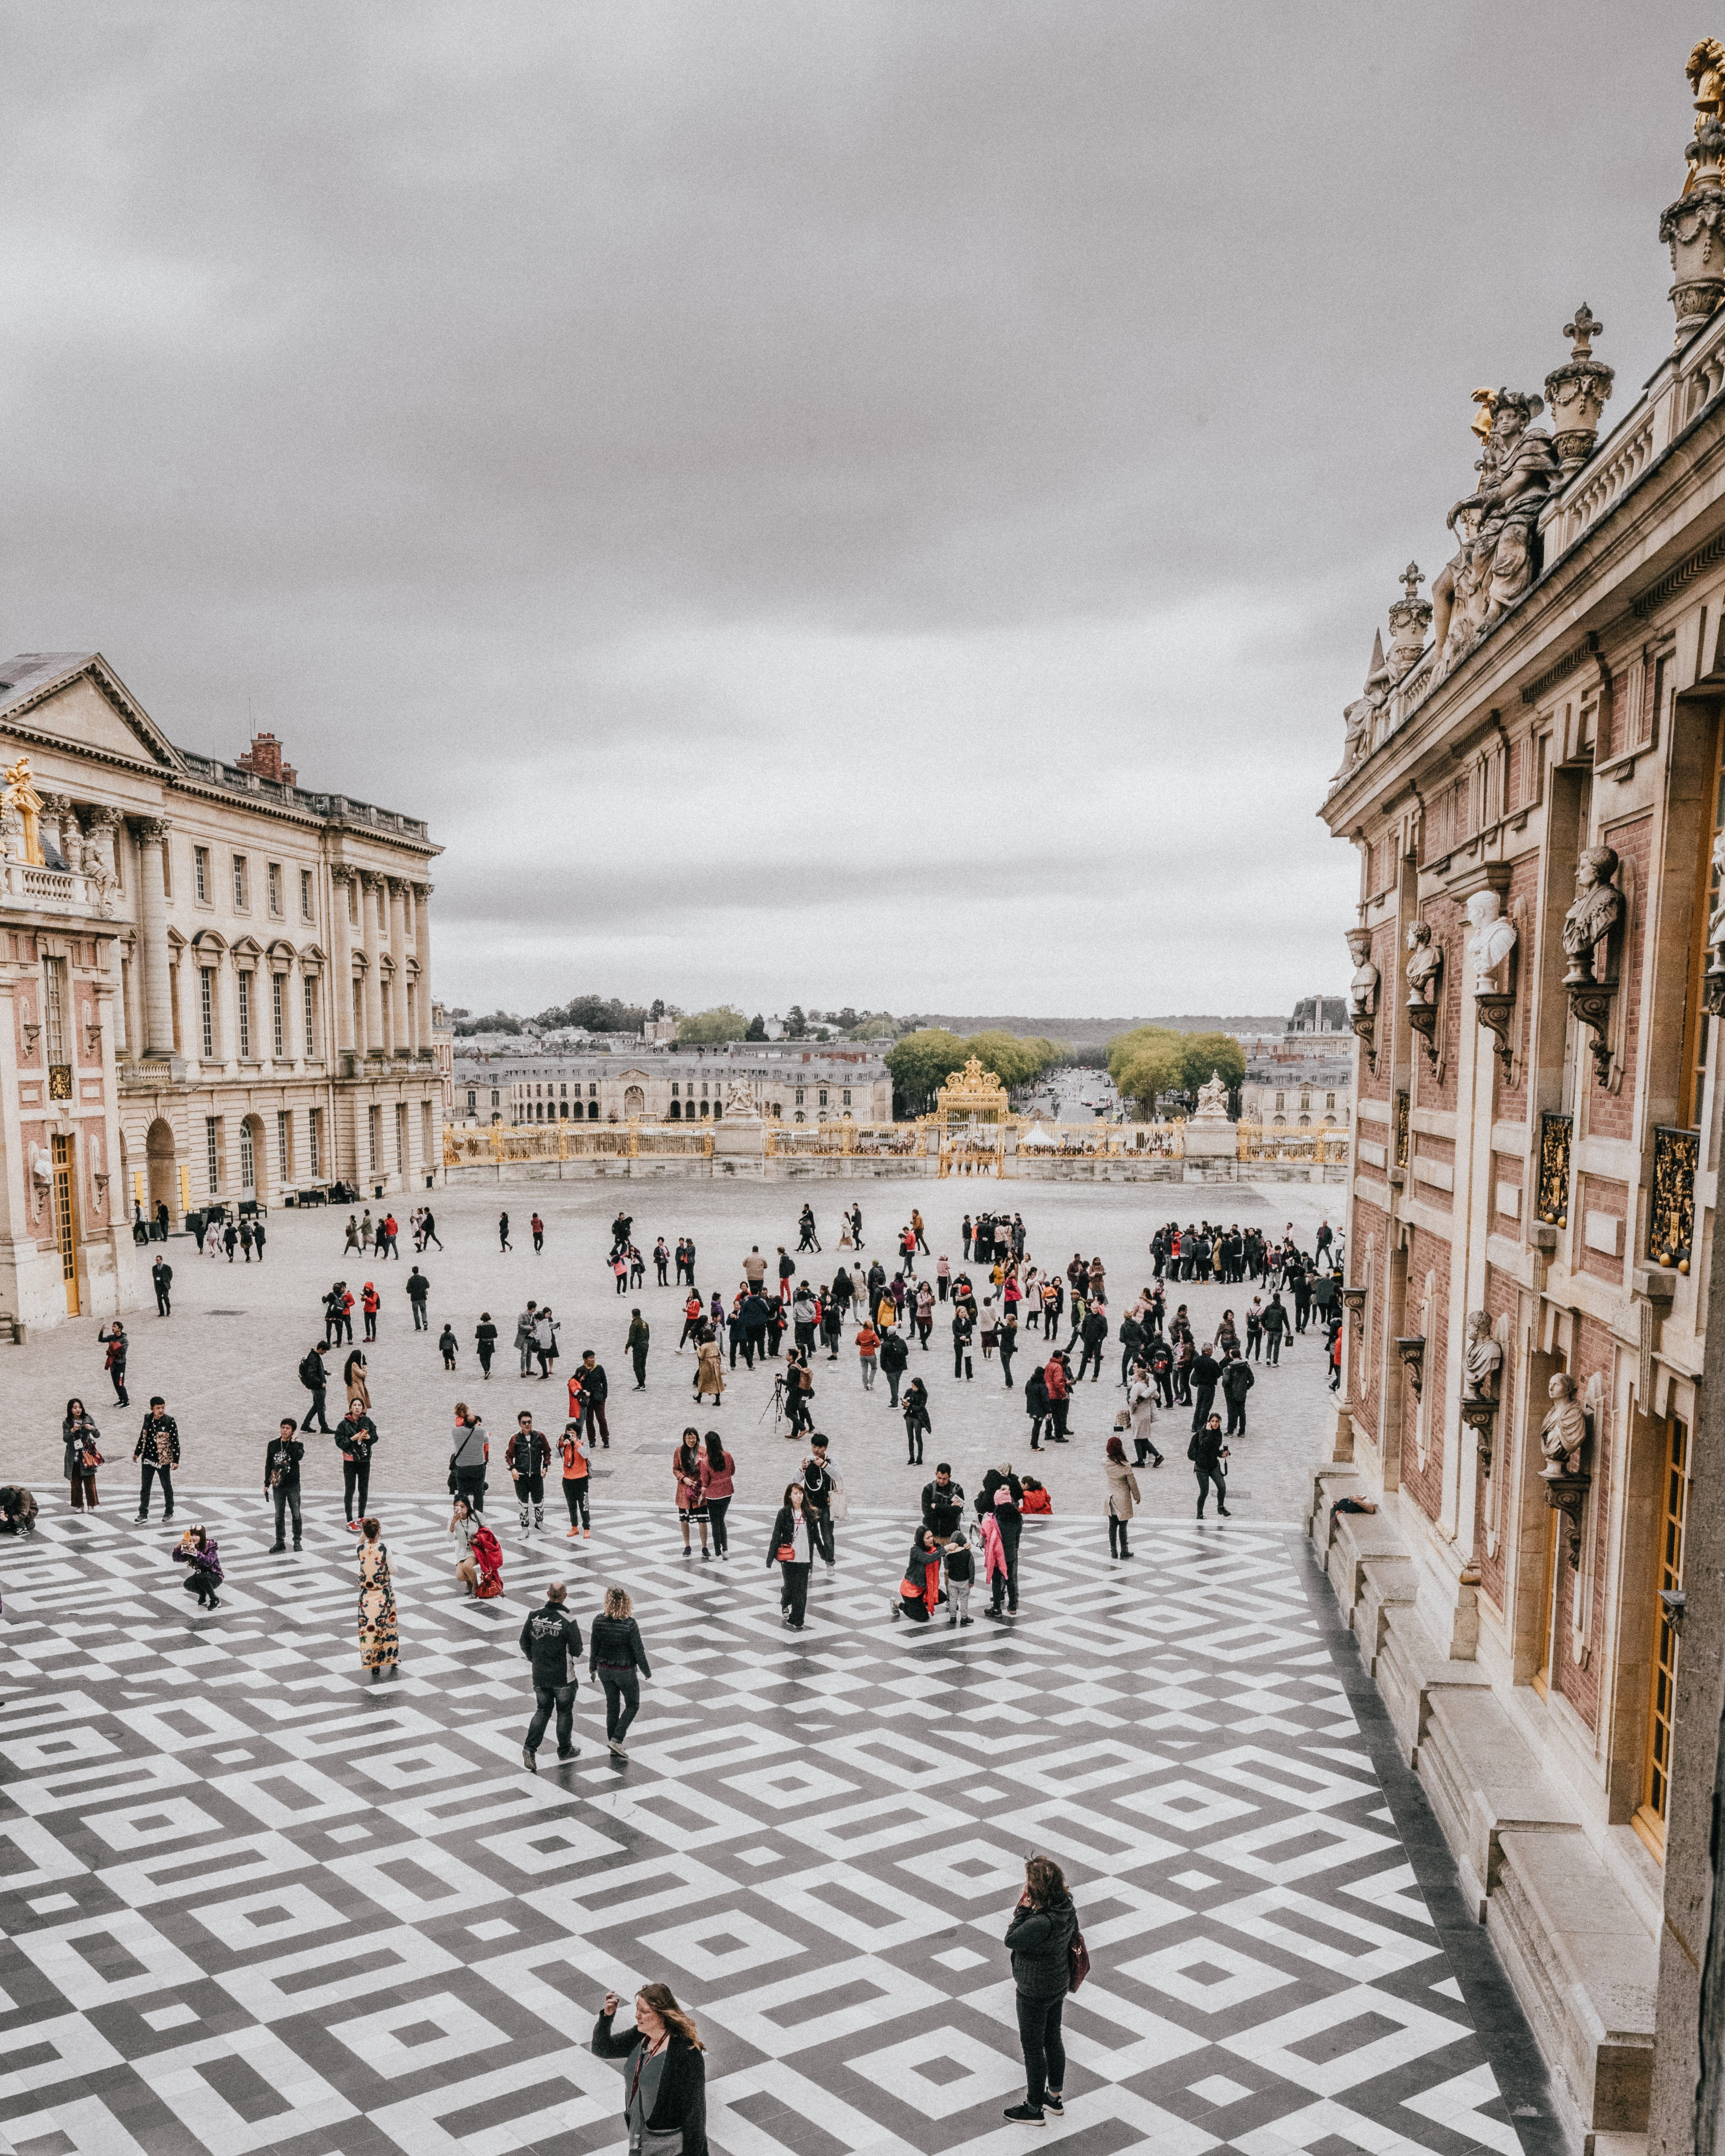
pixel 253 1901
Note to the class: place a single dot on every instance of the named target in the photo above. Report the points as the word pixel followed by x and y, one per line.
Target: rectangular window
pixel 413 1018
pixel 305 912
pixel 200 874
pixel 284 1144
pixel 674 1089
pixel 844 1098
pixel 278 1020
pixel 314 1141
pixel 310 988
pixel 275 888
pixel 248 1159
pixel 353 900
pixel 212 1152
pixel 493 1097
pixel 401 1136
pixel 375 1134
pixel 472 1100
pixel 1329 1103
pixel 54 1008
pixel 593 1092
pixel 1650 1821
pixel 206 1008
pixel 425 1132
pixel 359 1018
pixel 240 881
pixel 245 1015
pixel 823 1097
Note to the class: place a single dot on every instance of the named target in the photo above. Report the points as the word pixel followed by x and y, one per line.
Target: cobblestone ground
pixel 226 1359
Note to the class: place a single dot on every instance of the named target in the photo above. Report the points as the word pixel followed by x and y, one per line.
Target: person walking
pixel 595 1391
pixel 83 1455
pixel 550 1640
pixel 1036 1404
pixel 448 1346
pixel 316 1379
pixel 895 1354
pixel 379 1634
pixel 1009 1345
pixel 1040 1937
pixel 427 1230
pixel 686 1475
pixel 718 1487
pixel 576 1458
pixel 418 1288
pixel 916 1422
pixel 197 1551
pixel 524 1337
pixel 113 1338
pixel 545 1341
pixel 1204 1373
pixel 161 1277
pixel 820 1489
pixel 158 1450
pixel 1275 1326
pixel 469 1451
pixel 664 2071
pixel 1207 1452
pixel 527 1456
pixel 1141 1413
pixel 709 1369
pixel 356 1433
pixel 537 1228
pixel 868 1351
pixel 281 1481
pixel 617 1657
pixel 1123 1495
pixel 964 1331
pixel 369 1302
pixel 485 1340
pixel 1094 1333
pixel 791 1547
pixel 1237 1381
pixel 503 1231
pixel 1057 1380
pixel 639 1333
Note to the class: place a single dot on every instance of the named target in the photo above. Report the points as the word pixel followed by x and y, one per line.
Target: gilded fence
pixel 505 1142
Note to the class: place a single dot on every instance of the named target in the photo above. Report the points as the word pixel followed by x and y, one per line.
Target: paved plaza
pixel 254 1902
pixel 226 1360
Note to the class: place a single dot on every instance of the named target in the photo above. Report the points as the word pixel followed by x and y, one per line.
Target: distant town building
pixel 1306 1078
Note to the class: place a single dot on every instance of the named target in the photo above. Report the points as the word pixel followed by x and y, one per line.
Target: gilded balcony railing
pixel 1321 1142
pixel 1671 1218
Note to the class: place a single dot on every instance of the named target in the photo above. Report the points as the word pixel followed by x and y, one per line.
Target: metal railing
pixel 504 1142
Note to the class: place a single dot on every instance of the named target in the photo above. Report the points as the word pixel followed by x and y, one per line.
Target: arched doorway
pixel 164 1182
pixel 253 1161
pixel 677 1112
pixel 635 1101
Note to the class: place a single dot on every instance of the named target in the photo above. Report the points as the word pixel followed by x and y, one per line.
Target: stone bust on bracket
pixel 1491 944
pixel 1425 962
pixel 1363 986
pixel 1481 1359
pixel 1597 911
pixel 1564 1431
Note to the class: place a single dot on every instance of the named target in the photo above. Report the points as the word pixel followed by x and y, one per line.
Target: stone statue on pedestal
pixel 1563 1432
pixel 1425 962
pixel 1363 986
pixel 1491 944
pixel 1482 1359
pixel 1597 911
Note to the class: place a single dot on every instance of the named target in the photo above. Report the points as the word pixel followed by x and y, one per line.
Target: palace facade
pixel 218 986
pixel 1535 781
pixel 788 1084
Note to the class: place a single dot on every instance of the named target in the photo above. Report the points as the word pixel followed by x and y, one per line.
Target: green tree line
pixel 922 1061
pixel 1155 1060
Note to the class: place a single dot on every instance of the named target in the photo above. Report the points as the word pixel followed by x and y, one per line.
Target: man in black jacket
pixel 817 1499
pixel 1093 1333
pixel 895 1354
pixel 354 1436
pixel 1207 1452
pixel 550 1640
pixel 1276 1327
pixel 316 1379
pixel 281 1480
pixel 942 1504
pixel 162 1273
pixel 595 1391
pixel 1205 1372
pixel 1237 1381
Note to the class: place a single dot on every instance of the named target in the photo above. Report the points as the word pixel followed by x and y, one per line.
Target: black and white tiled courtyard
pixel 253 1901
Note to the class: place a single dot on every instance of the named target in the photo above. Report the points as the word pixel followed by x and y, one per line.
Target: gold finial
pixel 1706 70
pixel 20 799
pixel 1486 399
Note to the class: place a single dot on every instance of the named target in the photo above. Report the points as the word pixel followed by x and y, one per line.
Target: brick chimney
pixel 263 760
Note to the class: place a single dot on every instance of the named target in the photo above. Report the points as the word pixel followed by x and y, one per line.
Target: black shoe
pixel 1052 2102
pixel 277 1548
pixel 1222 1512
pixel 574 1753
pixel 1025 2114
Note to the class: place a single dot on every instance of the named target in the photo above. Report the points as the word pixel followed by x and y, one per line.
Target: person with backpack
pixel 1275 1326
pixel 1237 1381
pixel 1041 1938
pixel 895 1354
pixel 316 1379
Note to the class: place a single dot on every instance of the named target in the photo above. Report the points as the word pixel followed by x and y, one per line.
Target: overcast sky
pixel 855 503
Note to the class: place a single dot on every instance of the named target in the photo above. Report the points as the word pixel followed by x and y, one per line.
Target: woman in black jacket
pixel 791 1547
pixel 617 1658
pixel 1040 1939
pixel 665 2073
pixel 916 1424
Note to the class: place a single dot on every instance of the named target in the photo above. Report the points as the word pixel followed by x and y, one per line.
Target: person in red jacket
pixel 1059 1395
pixel 368 1300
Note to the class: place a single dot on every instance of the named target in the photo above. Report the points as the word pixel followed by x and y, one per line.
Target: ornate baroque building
pixel 1534 779
pixel 217 987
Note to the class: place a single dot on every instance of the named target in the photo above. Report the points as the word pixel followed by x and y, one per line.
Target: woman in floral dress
pixel 379 1641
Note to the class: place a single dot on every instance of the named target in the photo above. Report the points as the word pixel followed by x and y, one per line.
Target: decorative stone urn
pixel 1575 392
pixel 1409 619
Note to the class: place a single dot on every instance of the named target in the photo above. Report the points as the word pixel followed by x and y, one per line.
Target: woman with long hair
pixel 1040 1939
pixel 718 1487
pixel 83 1455
pixel 379 1639
pixel 919 1592
pixel 916 1423
pixel 791 1547
pixel 197 1552
pixel 617 1658
pixel 464 1523
pixel 686 1472
pixel 664 2073
pixel 1124 1494
pixel 353 1377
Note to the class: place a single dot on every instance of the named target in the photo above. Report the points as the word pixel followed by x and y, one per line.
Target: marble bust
pixel 1363 986
pixel 1596 912
pixel 1425 962
pixel 1482 1359
pixel 1491 943
pixel 1563 1432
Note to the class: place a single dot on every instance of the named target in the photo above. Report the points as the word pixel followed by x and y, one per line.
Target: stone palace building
pixel 1535 781
pixel 781 1084
pixel 217 987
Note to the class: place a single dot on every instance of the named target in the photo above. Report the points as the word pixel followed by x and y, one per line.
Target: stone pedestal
pixel 739 1138
pixel 1211 1137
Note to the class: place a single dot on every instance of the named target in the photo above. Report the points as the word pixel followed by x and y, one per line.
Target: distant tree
pixel 796 1024
pixel 875 1025
pixel 1204 1054
pixel 758 1028
pixel 920 1064
pixel 496 1022
pixel 460 1011
pixel 657 1010
pixel 708 1027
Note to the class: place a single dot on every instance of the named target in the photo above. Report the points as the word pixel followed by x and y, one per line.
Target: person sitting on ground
pixel 1036 1498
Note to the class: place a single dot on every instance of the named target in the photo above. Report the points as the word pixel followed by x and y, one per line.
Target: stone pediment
pixel 76 699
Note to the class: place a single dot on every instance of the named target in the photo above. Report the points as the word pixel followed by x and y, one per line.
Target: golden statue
pixel 21 808
pixel 1486 399
pixel 1706 70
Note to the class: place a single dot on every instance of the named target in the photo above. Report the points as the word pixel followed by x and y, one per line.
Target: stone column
pixel 370 899
pixel 341 1008
pixel 398 949
pixel 158 1041
pixel 422 951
